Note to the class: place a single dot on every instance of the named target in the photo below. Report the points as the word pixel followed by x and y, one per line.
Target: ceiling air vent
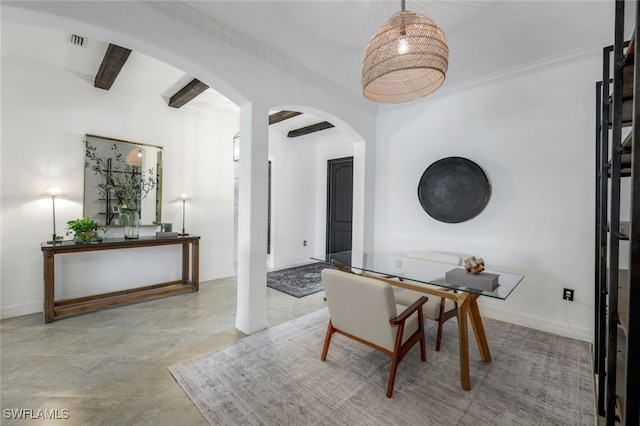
pixel 78 40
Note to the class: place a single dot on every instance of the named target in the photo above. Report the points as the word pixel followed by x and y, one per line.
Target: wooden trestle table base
pixel 54 309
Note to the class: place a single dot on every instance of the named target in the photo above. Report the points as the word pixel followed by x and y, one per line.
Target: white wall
pixel 299 200
pixel 532 131
pixel 45 114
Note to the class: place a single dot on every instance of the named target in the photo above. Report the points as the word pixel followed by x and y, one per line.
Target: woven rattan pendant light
pixel 406 59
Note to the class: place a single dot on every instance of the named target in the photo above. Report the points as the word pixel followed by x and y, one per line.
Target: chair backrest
pixel 361 306
pixel 436 256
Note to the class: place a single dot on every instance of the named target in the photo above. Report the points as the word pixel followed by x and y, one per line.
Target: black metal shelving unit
pixel 617 292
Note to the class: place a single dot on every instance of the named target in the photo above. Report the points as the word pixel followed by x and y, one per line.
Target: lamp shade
pixel 184 196
pixel 406 59
pixel 53 191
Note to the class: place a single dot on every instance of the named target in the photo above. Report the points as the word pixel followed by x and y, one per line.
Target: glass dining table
pixel 429 277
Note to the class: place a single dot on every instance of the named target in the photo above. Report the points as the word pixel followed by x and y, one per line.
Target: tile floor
pixel 109 367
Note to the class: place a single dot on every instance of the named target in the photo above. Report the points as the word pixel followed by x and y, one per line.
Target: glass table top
pixel 417 270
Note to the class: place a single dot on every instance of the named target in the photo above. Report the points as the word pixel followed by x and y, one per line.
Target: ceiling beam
pixel 187 93
pixel 113 61
pixel 310 129
pixel 277 117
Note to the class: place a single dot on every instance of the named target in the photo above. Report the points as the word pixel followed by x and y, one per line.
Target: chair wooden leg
pixel 423 337
pixel 423 349
pixel 392 375
pixel 439 336
pixel 327 341
pixel 441 321
pixel 395 360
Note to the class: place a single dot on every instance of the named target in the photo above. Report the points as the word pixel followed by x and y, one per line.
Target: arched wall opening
pixel 193 171
pixel 299 184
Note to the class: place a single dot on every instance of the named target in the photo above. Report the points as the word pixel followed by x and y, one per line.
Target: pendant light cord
pixel 403 31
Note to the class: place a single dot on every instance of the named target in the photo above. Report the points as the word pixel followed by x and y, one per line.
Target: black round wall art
pixel 454 190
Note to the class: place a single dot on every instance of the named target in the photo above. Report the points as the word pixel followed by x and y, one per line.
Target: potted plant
pixel 84 230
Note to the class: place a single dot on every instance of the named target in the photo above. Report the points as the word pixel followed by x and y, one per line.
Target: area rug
pixel 299 281
pixel 275 377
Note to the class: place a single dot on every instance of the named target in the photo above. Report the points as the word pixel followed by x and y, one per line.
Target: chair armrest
pixel 410 310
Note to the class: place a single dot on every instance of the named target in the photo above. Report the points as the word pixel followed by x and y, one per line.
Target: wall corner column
pixel 251 313
pixel 368 151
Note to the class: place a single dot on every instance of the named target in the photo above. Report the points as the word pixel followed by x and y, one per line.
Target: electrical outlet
pixel 567 294
pixel 304 243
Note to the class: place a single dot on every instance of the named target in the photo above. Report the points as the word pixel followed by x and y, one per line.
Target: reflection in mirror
pixel 121 174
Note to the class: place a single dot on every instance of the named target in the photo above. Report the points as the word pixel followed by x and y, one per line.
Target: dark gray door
pixel 339 204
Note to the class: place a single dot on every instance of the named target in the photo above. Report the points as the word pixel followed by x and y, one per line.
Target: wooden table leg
pixel 195 267
pixel 49 292
pixel 463 338
pixel 478 329
pixel 185 263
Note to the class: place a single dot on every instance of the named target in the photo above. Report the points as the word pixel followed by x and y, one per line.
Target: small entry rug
pixel 299 281
pixel 275 377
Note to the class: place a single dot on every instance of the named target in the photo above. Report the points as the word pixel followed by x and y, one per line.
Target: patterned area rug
pixel 299 281
pixel 275 377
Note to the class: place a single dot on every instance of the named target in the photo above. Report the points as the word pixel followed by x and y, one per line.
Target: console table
pixel 57 308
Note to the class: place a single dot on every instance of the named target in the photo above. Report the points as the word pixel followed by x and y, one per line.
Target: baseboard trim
pixel 21 309
pixel 292 262
pixel 559 328
pixel 217 275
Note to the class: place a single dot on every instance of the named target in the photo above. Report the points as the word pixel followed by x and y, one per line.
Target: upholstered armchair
pixel 439 309
pixel 365 309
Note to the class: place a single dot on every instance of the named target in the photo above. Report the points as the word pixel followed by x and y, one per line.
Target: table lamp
pixel 53 192
pixel 184 197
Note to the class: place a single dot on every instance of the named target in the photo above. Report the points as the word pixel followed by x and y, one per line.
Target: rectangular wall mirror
pixel 122 174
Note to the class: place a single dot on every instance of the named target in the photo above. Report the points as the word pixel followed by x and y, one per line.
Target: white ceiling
pixel 328 38
pixel 140 73
pixel 484 37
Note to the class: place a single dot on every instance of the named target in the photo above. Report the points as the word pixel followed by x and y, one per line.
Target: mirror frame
pixel 92 195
